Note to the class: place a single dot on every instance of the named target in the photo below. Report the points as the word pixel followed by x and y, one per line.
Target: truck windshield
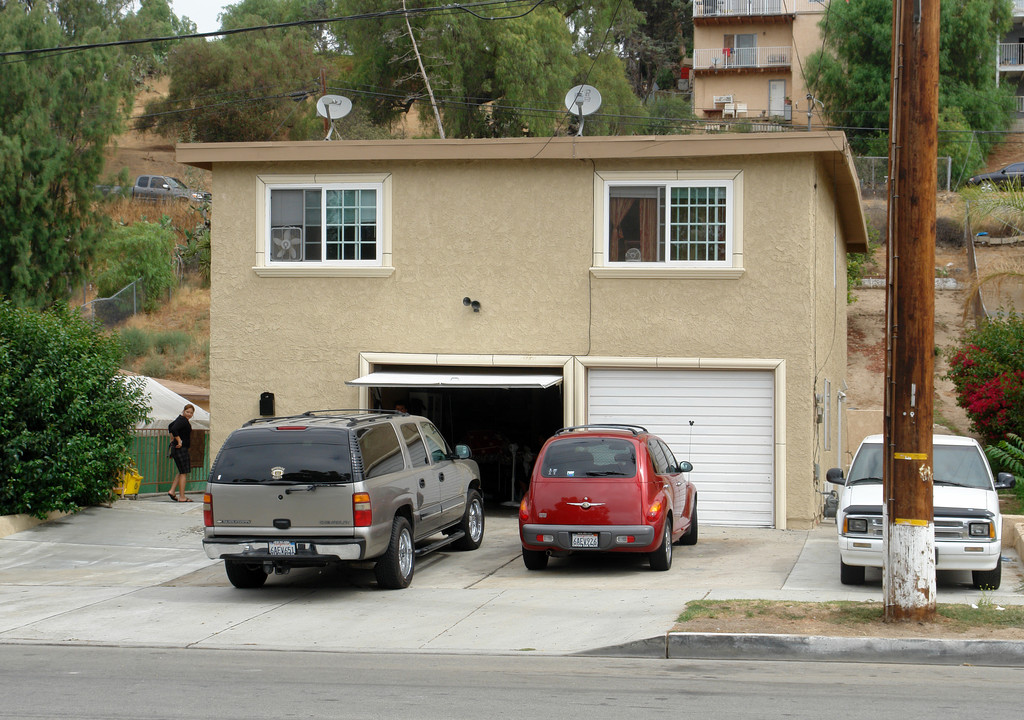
pixel 961 465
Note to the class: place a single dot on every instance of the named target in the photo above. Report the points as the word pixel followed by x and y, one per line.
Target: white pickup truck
pixel 968 526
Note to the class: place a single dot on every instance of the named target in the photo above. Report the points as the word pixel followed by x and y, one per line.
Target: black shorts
pixel 181 459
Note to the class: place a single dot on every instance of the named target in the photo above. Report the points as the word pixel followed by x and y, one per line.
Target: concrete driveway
pixel 136 574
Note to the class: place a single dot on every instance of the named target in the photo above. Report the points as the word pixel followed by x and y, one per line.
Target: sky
pixel 202 12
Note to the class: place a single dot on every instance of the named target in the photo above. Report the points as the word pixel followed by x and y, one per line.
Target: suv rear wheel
pixel 395 567
pixel 245 575
pixel 472 523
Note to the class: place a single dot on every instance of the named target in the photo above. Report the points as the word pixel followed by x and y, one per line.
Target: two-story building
pixel 695 285
pixel 1010 61
pixel 748 57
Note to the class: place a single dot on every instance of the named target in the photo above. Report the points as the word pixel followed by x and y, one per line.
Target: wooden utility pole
pixel 909 532
pixel 323 91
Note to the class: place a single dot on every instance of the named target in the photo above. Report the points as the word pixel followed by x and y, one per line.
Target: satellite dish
pixel 333 107
pixel 583 100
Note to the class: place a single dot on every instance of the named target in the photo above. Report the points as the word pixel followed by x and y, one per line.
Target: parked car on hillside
pixel 607 488
pixel 1012 174
pixel 329 487
pixel 968 525
pixel 165 187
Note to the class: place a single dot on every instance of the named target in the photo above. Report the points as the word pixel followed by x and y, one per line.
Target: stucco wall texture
pixel 518 236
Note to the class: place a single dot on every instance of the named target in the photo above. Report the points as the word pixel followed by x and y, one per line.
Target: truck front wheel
pixel 851 574
pixel 988 579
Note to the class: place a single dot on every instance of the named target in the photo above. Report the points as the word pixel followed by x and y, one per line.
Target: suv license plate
pixel 281 547
pixel 584 540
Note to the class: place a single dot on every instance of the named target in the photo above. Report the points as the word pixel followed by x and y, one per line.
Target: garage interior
pixel 503 414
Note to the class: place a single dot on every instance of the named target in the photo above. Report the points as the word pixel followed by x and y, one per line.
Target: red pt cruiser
pixel 607 488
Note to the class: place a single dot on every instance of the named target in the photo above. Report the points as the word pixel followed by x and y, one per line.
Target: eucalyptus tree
pixel 58 112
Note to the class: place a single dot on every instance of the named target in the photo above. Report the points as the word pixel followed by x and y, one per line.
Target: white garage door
pixel 731 440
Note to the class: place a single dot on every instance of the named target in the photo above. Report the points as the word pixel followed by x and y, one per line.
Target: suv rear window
pixel 282 456
pixel 589 457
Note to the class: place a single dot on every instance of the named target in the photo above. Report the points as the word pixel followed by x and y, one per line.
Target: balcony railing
pixel 732 8
pixel 757 57
pixel 1011 54
pixel 1018 8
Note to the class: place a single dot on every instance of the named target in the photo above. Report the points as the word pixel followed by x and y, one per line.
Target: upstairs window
pixel 674 224
pixel 338 224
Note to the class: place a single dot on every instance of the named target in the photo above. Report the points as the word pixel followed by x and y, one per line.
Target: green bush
pixel 154 366
pixel 66 416
pixel 1008 456
pixel 172 342
pixel 137 342
pixel 143 251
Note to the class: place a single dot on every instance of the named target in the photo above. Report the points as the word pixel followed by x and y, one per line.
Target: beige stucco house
pixel 695 285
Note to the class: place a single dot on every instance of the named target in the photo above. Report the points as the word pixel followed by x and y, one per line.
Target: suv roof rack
pixel 635 429
pixel 351 415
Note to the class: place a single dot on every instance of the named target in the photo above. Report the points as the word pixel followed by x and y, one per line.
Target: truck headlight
pixel 981 529
pixel 856 525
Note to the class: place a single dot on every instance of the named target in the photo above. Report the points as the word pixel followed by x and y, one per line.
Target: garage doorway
pixel 502 414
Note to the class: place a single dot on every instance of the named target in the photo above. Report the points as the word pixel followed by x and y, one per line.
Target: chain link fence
pixel 874 174
pixel 116 309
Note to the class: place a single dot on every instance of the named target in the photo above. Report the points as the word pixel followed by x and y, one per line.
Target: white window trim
pixel 730 269
pixel 383 267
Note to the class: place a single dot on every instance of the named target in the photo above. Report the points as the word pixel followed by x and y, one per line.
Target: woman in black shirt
pixel 181 440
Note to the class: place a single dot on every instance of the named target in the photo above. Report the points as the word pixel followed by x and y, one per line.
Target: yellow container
pixel 128 482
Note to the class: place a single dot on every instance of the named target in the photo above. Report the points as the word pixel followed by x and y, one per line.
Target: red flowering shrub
pixel 988 373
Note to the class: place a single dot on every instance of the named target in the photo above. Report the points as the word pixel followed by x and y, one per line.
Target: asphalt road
pixel 141 684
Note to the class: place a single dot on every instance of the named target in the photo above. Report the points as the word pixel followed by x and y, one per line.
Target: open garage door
pixel 503 414
pixel 731 441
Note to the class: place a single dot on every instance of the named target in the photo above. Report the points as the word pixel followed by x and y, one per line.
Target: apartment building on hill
pixel 749 55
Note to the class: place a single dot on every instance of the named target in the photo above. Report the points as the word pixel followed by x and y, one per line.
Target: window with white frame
pixel 332 224
pixel 682 223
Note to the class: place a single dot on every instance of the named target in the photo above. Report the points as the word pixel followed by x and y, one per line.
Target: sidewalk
pixel 136 574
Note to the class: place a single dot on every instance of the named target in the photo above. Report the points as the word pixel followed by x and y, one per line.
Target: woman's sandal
pixel 172 497
pixel 188 499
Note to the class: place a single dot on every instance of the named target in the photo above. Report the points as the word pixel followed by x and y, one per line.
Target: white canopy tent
pixel 165 405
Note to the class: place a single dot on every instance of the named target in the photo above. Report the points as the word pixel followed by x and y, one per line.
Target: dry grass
pixel 180 215
pixel 177 337
pixel 982 620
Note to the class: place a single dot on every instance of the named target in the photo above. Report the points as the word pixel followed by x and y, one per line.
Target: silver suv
pixel 335 486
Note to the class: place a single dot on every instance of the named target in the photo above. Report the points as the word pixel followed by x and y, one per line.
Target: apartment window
pixel 681 224
pixel 336 224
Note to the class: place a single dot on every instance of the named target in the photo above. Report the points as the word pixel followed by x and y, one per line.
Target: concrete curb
pixel 916 651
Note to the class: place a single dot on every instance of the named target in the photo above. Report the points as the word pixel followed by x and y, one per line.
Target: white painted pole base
pixel 909 567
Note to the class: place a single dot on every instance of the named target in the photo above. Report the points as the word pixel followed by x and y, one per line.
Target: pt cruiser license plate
pixel 584 540
pixel 281 547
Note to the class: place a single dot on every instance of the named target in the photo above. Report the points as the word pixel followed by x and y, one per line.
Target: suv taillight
pixel 362 515
pixel 207 510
